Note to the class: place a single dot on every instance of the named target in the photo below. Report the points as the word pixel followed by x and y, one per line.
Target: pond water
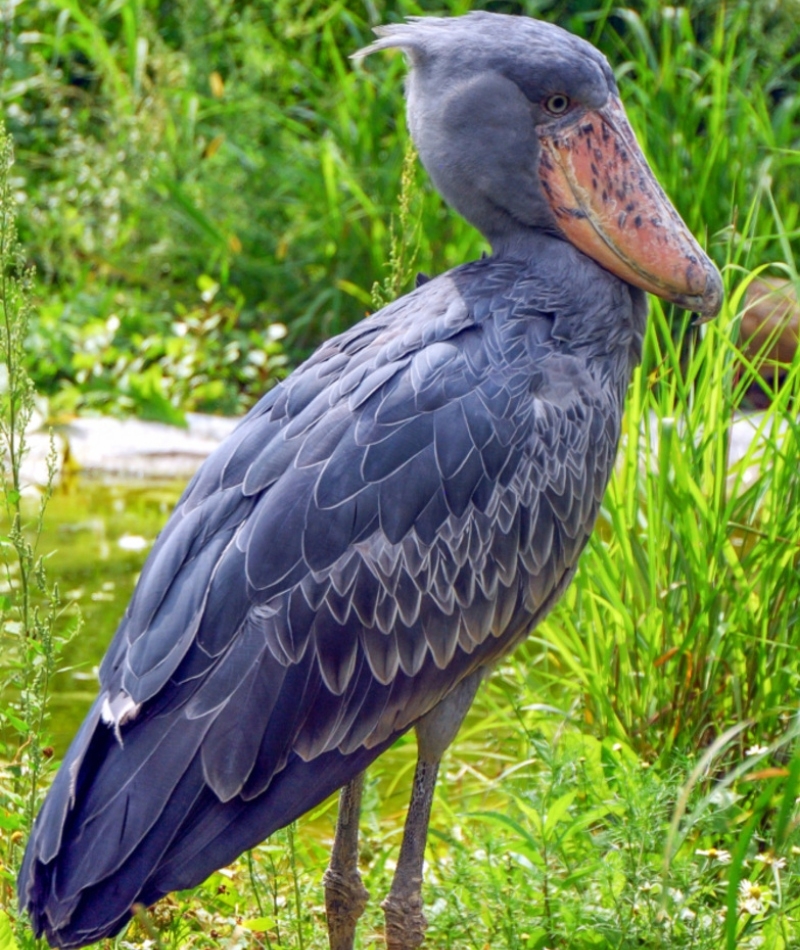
pixel 97 536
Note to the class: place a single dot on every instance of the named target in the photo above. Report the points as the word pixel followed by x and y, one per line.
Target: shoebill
pixel 391 519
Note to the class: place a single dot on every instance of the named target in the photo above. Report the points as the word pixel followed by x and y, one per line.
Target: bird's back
pixel 395 515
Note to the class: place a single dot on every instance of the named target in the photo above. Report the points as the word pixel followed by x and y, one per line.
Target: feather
pixel 452 440
pixel 301 686
pixel 227 602
pixel 365 593
pixel 125 801
pixel 155 656
pixel 269 465
pixel 340 478
pixel 316 732
pixel 397 403
pixel 372 383
pixel 232 742
pixel 430 519
pixel 273 535
pixel 406 494
pixel 384 458
pixel 218 688
pixel 337 650
pixel 441 634
pixel 381 652
pixel 407 595
pixel 385 611
pixel 328 533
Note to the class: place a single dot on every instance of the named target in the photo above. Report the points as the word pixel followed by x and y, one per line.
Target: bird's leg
pixel 405 922
pixel 345 895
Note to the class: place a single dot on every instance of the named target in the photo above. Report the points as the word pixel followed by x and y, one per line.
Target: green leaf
pixel 255 923
pixel 148 393
pixel 501 819
pixel 788 803
pixel 7 941
pixel 10 822
pixel 16 722
pixel 587 870
pixel 557 810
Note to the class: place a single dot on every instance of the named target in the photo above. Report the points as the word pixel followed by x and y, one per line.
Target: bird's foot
pixel 405 922
pixel 345 900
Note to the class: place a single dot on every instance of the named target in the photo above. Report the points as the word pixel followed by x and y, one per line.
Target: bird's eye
pixel 557 104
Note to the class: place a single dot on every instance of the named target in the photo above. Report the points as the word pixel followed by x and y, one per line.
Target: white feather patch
pixel 119 710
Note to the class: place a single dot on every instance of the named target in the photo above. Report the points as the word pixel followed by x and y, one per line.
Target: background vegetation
pixel 207 189
pixel 198 175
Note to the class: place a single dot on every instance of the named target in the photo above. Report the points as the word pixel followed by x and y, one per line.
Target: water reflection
pixel 99 534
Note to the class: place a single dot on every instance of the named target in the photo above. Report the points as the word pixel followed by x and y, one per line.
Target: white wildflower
pixel 769 859
pixel 650 887
pixel 756 750
pixel 719 855
pixel 753 897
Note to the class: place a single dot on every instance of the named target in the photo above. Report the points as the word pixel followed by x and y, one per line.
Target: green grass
pixel 164 145
pixel 653 715
pixel 565 849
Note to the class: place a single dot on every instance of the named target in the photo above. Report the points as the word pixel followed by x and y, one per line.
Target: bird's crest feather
pixel 411 37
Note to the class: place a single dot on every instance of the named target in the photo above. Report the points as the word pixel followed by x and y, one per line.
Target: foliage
pixel 30 637
pixel 163 142
pixel 572 855
pixel 404 238
pixel 112 357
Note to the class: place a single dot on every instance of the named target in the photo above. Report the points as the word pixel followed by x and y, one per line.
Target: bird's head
pixel 521 128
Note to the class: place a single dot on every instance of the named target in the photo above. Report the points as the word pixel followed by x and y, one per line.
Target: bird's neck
pixel 517 242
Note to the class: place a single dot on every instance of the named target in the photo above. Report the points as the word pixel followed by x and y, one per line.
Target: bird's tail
pixel 128 823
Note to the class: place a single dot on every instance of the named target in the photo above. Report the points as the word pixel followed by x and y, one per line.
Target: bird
pixel 392 518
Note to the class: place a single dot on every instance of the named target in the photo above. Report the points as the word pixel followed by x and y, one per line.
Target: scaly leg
pixel 405 922
pixel 345 894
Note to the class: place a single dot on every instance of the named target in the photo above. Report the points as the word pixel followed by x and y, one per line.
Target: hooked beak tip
pixel 713 295
pixel 709 303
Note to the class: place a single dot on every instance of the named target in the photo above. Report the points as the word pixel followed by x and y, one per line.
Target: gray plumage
pixel 392 518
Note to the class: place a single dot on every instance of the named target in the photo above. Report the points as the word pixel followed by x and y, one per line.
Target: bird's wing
pixel 376 528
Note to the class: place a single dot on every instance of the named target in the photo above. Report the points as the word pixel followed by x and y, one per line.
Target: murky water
pixel 99 534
